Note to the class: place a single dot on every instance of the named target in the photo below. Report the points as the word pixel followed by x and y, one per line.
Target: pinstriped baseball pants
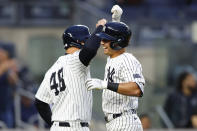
pixel 129 122
pixel 56 127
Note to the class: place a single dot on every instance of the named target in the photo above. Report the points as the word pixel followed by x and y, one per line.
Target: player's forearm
pixel 93 43
pixel 44 111
pixel 90 48
pixel 129 89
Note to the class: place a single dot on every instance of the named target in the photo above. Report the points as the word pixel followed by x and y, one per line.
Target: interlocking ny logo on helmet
pixel 74 35
pixel 118 33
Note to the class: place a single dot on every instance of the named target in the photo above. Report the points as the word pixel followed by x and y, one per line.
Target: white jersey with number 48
pixel 64 88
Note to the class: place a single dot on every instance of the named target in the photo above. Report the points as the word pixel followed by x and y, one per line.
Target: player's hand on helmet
pixel 116 13
pixel 95 84
pixel 101 22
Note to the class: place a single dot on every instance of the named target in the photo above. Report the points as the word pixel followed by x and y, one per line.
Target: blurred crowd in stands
pixel 13 76
pixel 181 104
pixel 152 9
pixel 147 10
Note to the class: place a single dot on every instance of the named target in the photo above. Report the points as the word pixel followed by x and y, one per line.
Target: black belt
pixel 133 111
pixel 67 124
pixel 114 116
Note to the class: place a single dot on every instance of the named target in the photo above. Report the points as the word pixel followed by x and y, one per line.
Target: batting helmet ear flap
pixel 116 45
pixel 66 40
pixel 70 42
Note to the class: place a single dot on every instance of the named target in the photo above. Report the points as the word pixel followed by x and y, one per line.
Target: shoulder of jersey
pixel 61 58
pixel 130 57
pixel 60 61
pixel 54 66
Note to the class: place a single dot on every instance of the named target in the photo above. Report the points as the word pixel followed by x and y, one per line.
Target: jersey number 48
pixel 61 84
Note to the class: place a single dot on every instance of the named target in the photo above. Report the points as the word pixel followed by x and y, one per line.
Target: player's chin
pixel 106 53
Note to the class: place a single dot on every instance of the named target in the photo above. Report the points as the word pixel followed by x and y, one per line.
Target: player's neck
pixel 186 91
pixel 71 50
pixel 117 53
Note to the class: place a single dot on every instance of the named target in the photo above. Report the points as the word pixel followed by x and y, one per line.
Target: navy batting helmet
pixel 118 33
pixel 74 35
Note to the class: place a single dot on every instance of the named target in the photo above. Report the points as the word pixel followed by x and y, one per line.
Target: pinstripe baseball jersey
pixel 64 89
pixel 121 69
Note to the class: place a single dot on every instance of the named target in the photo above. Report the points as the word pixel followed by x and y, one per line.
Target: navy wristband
pixel 113 86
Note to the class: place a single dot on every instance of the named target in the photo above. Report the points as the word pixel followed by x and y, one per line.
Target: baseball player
pixel 123 81
pixel 63 87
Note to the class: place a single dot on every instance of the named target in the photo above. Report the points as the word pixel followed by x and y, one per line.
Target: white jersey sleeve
pixel 43 92
pixel 133 71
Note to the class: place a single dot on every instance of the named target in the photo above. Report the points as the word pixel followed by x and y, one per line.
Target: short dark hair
pixel 180 80
pixel 9 47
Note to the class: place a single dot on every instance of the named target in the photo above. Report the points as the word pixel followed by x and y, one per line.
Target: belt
pixel 67 124
pixel 114 116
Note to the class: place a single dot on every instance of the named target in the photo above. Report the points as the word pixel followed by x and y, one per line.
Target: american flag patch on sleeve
pixel 136 76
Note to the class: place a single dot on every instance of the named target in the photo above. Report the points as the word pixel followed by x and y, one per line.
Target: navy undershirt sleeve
pixel 90 48
pixel 44 111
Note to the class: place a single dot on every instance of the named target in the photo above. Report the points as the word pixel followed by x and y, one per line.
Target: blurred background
pixel 164 40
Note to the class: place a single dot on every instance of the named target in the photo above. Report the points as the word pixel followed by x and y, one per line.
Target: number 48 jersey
pixel 64 89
